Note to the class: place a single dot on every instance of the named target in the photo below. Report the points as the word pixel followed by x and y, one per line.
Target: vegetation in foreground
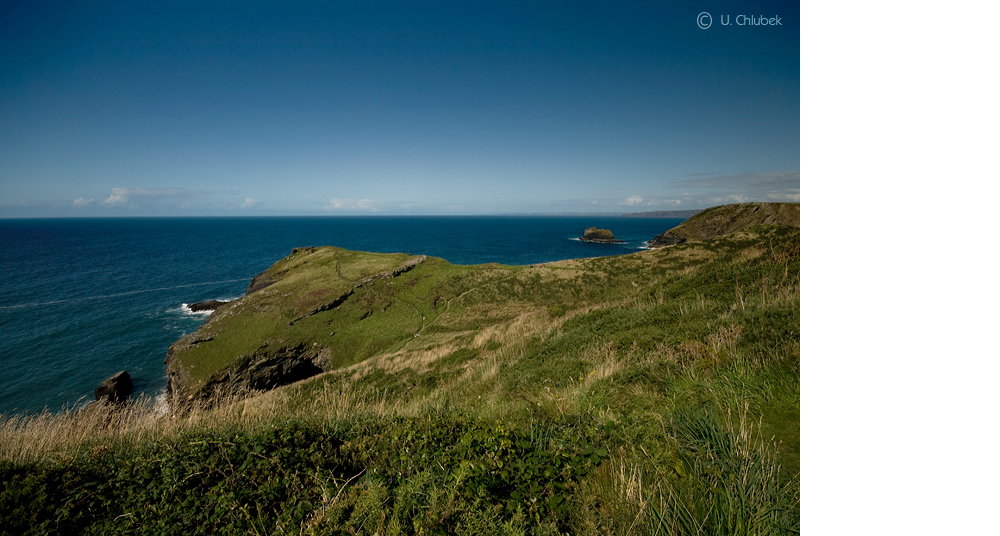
pixel 653 393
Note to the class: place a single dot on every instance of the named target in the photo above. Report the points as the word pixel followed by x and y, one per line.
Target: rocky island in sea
pixel 601 236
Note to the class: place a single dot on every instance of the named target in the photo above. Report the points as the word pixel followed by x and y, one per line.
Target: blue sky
pixel 173 109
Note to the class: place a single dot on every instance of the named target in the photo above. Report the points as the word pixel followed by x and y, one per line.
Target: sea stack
pixel 603 236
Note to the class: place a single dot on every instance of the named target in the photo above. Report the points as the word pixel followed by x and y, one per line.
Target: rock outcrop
pixel 603 236
pixel 209 305
pixel 114 389
pixel 266 370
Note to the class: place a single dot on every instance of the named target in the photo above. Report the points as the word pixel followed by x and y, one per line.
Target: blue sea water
pixel 81 299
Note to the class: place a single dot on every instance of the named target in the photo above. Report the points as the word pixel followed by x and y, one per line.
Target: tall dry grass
pixel 73 432
pixel 733 487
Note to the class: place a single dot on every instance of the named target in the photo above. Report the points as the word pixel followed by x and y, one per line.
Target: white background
pixel 900 382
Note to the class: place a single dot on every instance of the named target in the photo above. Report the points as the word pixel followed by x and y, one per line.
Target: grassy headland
pixel 725 219
pixel 651 393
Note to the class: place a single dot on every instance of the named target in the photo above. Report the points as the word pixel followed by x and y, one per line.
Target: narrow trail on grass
pixel 340 275
pixel 389 298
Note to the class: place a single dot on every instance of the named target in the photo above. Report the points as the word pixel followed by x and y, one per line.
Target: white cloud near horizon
pixel 648 201
pixel 82 202
pixel 132 196
pixel 351 204
pixel 115 199
pixel 250 203
pixel 703 190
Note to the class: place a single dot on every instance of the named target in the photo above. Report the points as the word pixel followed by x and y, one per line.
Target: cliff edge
pixel 270 336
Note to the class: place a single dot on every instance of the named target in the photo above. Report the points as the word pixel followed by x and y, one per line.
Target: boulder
pixel 209 305
pixel 114 389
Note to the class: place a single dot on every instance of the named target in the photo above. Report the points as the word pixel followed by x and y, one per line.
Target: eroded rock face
pixel 114 389
pixel 260 371
pixel 263 371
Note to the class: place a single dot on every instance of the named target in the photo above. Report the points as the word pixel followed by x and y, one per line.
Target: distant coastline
pixel 663 214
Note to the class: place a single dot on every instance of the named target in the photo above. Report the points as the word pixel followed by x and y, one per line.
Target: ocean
pixel 81 299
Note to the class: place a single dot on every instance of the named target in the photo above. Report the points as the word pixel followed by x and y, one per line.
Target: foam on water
pixel 185 308
pixel 160 403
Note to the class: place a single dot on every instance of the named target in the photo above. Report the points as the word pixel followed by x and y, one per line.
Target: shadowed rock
pixel 209 305
pixel 114 389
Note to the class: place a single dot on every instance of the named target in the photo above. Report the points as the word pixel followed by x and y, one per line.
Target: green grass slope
pixel 651 393
pixel 725 219
pixel 324 309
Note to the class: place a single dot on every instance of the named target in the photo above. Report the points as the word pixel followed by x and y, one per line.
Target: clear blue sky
pixel 145 108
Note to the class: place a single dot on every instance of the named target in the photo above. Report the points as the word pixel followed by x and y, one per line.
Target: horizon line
pixel 502 214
